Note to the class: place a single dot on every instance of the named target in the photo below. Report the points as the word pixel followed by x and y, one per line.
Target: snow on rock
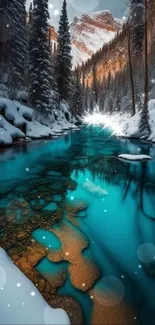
pixel 8 132
pixel 134 157
pixel 5 137
pixel 35 130
pixel 21 302
pixel 18 121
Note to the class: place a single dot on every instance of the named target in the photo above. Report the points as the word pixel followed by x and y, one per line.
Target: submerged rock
pixel 57 198
pixel 21 234
pixel 83 272
pixel 51 207
pixel 105 311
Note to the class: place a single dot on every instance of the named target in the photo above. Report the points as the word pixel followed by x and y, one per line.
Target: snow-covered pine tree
pixel 77 98
pixel 40 61
pixel 17 45
pixel 64 58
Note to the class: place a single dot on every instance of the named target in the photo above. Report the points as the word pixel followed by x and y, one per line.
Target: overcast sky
pixel 76 7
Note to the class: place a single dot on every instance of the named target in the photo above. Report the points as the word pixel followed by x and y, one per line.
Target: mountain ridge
pixel 89 33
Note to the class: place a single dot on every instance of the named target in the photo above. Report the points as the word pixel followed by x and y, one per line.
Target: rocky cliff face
pixel 89 33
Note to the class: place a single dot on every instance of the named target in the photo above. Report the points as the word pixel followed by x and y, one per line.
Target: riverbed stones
pixel 41 285
pixel 21 234
pixel 83 272
pixel 51 207
pixel 57 198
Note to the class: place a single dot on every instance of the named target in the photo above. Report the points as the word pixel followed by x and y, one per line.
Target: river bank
pixel 19 123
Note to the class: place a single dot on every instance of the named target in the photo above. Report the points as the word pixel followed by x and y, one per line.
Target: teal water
pixel 47 239
pixel 119 222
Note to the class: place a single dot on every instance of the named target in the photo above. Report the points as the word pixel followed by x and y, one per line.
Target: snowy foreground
pixel 122 124
pixel 21 302
pixel 19 122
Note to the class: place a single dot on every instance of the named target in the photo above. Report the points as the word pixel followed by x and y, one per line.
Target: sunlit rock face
pixel 53 34
pixel 116 59
pixel 89 33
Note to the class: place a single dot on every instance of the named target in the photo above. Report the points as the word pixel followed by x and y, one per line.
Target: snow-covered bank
pixel 21 302
pixel 122 124
pixel 130 125
pixel 18 122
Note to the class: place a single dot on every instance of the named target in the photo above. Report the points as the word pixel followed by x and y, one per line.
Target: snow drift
pixel 21 302
pixel 130 124
pixel 18 122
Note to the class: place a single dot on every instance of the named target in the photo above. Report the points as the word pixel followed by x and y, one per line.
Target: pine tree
pixel 77 99
pixel 95 86
pixel 40 62
pixel 64 58
pixel 17 46
pixel 86 96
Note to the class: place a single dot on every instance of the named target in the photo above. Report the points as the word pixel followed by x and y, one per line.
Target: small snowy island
pixel 130 157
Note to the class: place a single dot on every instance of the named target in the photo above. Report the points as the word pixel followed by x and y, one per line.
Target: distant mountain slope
pixel 89 33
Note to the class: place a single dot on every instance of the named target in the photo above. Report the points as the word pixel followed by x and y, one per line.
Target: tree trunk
pixel 144 121
pixel 146 82
pixel 131 75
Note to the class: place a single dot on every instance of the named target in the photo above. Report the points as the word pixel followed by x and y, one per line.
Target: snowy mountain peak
pixel 89 33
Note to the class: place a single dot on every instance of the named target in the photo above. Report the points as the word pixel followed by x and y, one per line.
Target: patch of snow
pixel 20 300
pixel 8 132
pixel 130 124
pixel 18 121
pixel 134 157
